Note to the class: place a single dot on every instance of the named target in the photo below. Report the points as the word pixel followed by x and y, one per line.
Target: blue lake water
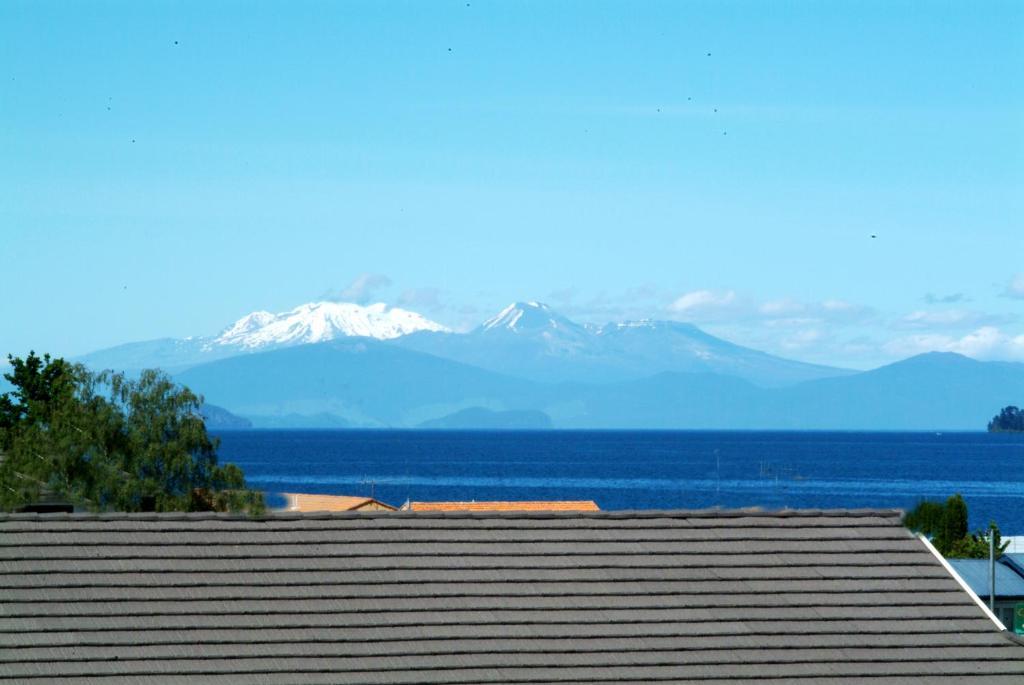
pixel 646 469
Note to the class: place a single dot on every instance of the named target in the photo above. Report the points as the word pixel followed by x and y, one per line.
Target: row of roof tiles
pixel 488 597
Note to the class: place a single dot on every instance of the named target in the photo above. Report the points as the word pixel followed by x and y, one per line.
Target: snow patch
pixel 322 321
pixel 509 316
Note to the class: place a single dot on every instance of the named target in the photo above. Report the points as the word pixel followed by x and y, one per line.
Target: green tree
pixel 953 526
pixel 945 523
pixel 1009 420
pixel 975 545
pixel 40 385
pixel 104 441
pixel 925 518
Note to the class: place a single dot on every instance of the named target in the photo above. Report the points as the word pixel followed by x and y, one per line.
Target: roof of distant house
pixel 303 502
pixel 1014 544
pixel 559 505
pixel 484 597
pixel 1014 561
pixel 975 573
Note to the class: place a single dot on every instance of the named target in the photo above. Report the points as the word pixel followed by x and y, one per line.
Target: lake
pixel 645 469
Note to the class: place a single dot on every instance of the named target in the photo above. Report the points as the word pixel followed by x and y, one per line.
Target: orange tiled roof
pixel 298 501
pixel 563 505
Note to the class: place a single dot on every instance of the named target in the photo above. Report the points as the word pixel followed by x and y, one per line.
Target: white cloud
pixel 987 342
pixel 633 303
pixel 947 318
pixel 361 290
pixel 421 298
pixel 814 331
pixel 718 306
pixel 836 331
pixel 1015 288
pixel 708 304
pixel 782 308
pixel 804 339
pixel 795 313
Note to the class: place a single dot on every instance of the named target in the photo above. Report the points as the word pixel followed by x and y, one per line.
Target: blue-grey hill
pixel 526 339
pixel 365 382
pixel 530 340
pixel 318 366
pixel 372 384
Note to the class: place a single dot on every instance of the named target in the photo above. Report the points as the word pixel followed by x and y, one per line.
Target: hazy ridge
pixel 529 367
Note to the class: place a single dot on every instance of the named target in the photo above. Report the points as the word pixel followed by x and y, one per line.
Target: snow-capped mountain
pixel 530 340
pixel 532 321
pixel 529 317
pixel 683 347
pixel 375 366
pixel 322 321
pixel 525 339
pixel 261 330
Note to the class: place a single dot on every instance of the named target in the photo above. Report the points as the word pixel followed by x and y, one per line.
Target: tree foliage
pixel 953 525
pixel 945 523
pixel 925 518
pixel 108 442
pixel 1009 420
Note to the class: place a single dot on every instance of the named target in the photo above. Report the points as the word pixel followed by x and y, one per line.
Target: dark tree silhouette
pixel 1009 420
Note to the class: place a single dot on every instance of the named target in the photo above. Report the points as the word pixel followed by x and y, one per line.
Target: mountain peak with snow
pixel 322 321
pixel 520 317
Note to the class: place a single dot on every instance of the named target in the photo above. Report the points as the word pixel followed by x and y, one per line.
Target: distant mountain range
pixel 260 331
pixel 528 339
pixel 525 339
pixel 345 365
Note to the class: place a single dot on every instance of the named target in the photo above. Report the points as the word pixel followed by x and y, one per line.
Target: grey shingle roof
pixel 674 596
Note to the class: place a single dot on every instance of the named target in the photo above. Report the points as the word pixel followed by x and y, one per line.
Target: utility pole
pixel 992 569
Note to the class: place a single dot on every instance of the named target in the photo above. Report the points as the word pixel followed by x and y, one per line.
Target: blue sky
pixel 168 167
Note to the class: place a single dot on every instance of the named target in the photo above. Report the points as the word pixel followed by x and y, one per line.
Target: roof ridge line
pixel 604 514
